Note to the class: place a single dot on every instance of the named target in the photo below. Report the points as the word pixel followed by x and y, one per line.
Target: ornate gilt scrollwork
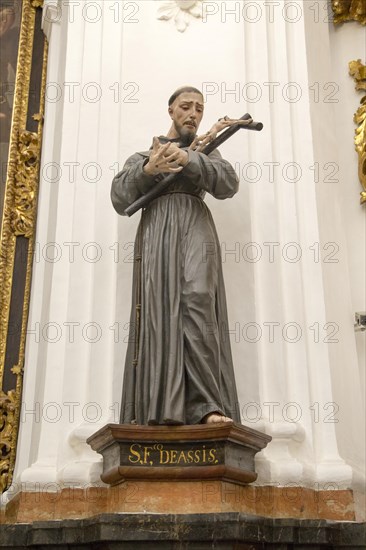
pixel 358 71
pixel 349 10
pixel 8 403
pixel 26 184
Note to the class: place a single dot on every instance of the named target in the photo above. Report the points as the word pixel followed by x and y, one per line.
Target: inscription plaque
pixel 159 454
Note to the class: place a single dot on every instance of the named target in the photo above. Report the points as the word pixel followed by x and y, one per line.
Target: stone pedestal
pixel 223 452
pixel 182 470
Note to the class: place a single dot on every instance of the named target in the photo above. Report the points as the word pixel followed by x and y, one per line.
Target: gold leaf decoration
pixel 7 429
pixel 349 10
pixel 358 71
pixel 17 369
pixel 23 215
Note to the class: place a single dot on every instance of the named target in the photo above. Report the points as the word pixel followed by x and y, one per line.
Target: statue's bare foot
pixel 214 418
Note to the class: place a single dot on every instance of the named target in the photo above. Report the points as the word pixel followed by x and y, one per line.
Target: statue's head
pixel 186 111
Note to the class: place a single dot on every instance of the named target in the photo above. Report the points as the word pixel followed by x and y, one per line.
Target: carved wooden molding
pixel 358 71
pixel 8 403
pixel 26 183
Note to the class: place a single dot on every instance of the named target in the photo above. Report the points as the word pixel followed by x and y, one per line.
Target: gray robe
pixel 184 367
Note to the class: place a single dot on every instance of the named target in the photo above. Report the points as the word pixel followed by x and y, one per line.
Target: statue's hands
pixel 176 154
pixel 167 158
pixel 200 142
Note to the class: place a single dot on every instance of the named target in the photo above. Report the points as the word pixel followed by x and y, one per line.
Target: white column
pixel 41 322
pixel 341 224
pixel 295 369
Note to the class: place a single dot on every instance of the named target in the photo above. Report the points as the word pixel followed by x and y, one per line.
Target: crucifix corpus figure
pixel 178 367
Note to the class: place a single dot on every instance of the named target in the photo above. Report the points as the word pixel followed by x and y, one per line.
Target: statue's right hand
pixel 160 161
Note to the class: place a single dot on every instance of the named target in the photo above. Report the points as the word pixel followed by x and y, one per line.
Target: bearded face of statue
pixel 186 113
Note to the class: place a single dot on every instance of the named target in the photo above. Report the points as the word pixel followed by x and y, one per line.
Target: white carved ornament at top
pixel 181 11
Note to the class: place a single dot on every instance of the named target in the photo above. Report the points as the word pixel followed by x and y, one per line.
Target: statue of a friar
pixel 178 367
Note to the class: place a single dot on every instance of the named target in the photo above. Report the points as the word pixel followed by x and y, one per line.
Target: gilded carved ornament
pixel 349 10
pixel 26 184
pixel 8 404
pixel 358 71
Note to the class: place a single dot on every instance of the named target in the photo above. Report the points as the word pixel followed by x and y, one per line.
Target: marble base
pixel 185 497
pixel 169 531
